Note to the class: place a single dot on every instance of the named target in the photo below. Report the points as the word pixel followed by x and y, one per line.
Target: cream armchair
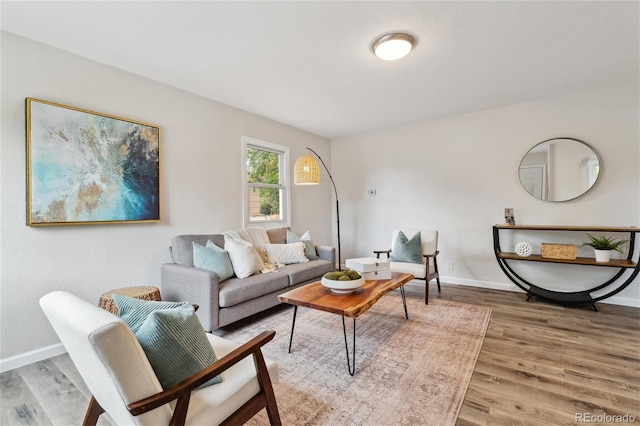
pixel 122 382
pixel 426 271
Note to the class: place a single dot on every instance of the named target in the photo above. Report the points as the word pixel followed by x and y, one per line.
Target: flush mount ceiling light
pixel 393 46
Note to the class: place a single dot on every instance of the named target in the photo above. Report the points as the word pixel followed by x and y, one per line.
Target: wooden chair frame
pixel 182 391
pixel 428 276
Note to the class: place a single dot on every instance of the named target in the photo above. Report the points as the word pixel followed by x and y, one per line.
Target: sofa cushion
pixel 301 272
pixel 309 247
pixel 214 259
pixel 285 253
pixel 278 235
pixel 182 246
pixel 244 257
pixel 254 235
pixel 234 291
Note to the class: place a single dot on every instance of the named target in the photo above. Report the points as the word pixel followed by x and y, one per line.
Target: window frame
pixel 285 203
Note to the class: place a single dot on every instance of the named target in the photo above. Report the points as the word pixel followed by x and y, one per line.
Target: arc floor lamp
pixel 307 172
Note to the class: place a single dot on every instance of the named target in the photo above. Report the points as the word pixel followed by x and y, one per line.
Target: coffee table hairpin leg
pixel 344 328
pixel 293 324
pixel 352 371
pixel 352 368
pixel 346 346
pixel 404 302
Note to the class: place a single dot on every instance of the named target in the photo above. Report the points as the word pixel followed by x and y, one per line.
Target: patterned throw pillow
pixel 309 249
pixel 407 250
pixel 213 258
pixel 172 338
pixel 285 253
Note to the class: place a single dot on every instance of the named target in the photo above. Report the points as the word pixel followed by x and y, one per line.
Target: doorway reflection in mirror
pixel 559 169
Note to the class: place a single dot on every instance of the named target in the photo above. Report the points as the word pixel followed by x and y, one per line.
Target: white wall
pixel 458 174
pixel 201 186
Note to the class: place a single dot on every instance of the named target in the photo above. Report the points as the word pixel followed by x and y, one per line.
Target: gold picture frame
pixel 85 167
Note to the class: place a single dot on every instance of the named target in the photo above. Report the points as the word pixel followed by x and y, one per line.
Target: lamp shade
pixel 306 171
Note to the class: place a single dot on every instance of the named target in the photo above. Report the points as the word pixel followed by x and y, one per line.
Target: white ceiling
pixel 309 64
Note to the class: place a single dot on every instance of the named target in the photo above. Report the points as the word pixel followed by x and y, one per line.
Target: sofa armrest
pixel 194 285
pixel 326 253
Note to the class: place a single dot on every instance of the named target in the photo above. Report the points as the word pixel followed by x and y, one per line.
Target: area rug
pixel 408 372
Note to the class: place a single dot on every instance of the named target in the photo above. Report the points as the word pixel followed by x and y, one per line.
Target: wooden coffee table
pixel 317 296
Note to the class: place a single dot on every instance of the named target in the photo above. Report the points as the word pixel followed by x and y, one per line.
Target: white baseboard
pixel 31 357
pixel 417 286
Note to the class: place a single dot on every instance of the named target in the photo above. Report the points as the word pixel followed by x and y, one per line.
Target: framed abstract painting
pixel 84 167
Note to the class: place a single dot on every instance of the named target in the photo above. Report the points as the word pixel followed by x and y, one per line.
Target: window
pixel 265 182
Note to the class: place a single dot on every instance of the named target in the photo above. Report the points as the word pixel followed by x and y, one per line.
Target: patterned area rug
pixel 408 372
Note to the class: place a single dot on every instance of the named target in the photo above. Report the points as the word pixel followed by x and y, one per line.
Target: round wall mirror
pixel 559 169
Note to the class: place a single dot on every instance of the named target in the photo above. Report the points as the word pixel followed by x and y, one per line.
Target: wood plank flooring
pixel 544 364
pixel 540 364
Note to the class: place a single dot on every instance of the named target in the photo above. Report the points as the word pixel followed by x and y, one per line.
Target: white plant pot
pixel 602 255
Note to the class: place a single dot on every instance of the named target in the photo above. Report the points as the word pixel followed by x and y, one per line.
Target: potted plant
pixel 602 246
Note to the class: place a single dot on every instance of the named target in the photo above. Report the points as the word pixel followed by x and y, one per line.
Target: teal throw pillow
pixel 309 248
pixel 213 258
pixel 407 250
pixel 135 311
pixel 175 343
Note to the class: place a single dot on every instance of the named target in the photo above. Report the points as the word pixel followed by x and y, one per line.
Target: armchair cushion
pixel 407 250
pixel 172 338
pixel 417 270
pixel 135 311
pixel 213 258
pixel 176 345
pixel 309 249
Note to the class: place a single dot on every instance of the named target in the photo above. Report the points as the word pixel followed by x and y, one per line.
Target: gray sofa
pixel 234 299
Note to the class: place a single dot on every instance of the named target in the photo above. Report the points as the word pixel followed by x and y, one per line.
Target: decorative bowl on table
pixel 342 282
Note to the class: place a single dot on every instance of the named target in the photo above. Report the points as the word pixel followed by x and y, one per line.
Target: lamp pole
pixel 337 207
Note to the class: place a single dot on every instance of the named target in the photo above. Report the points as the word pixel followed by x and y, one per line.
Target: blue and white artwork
pixel 86 167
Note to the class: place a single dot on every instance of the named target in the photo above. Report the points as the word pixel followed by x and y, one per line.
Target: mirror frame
pixel 560 138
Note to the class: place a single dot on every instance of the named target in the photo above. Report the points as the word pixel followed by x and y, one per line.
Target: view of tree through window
pixel 264 178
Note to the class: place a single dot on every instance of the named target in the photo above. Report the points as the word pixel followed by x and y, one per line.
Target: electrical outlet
pixel 450 265
pixel 371 192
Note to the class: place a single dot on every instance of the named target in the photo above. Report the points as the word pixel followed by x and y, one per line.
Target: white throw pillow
pixel 244 258
pixel 285 253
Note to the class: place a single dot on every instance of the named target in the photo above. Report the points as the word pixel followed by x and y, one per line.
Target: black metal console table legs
pixel 613 286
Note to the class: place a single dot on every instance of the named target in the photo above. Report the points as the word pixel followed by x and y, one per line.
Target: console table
pixel 613 286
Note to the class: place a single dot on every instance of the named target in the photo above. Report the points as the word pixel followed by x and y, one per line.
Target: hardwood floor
pixel 544 364
pixel 540 364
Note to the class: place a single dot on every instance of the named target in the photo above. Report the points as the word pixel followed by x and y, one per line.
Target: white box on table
pixel 377 275
pixel 368 264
